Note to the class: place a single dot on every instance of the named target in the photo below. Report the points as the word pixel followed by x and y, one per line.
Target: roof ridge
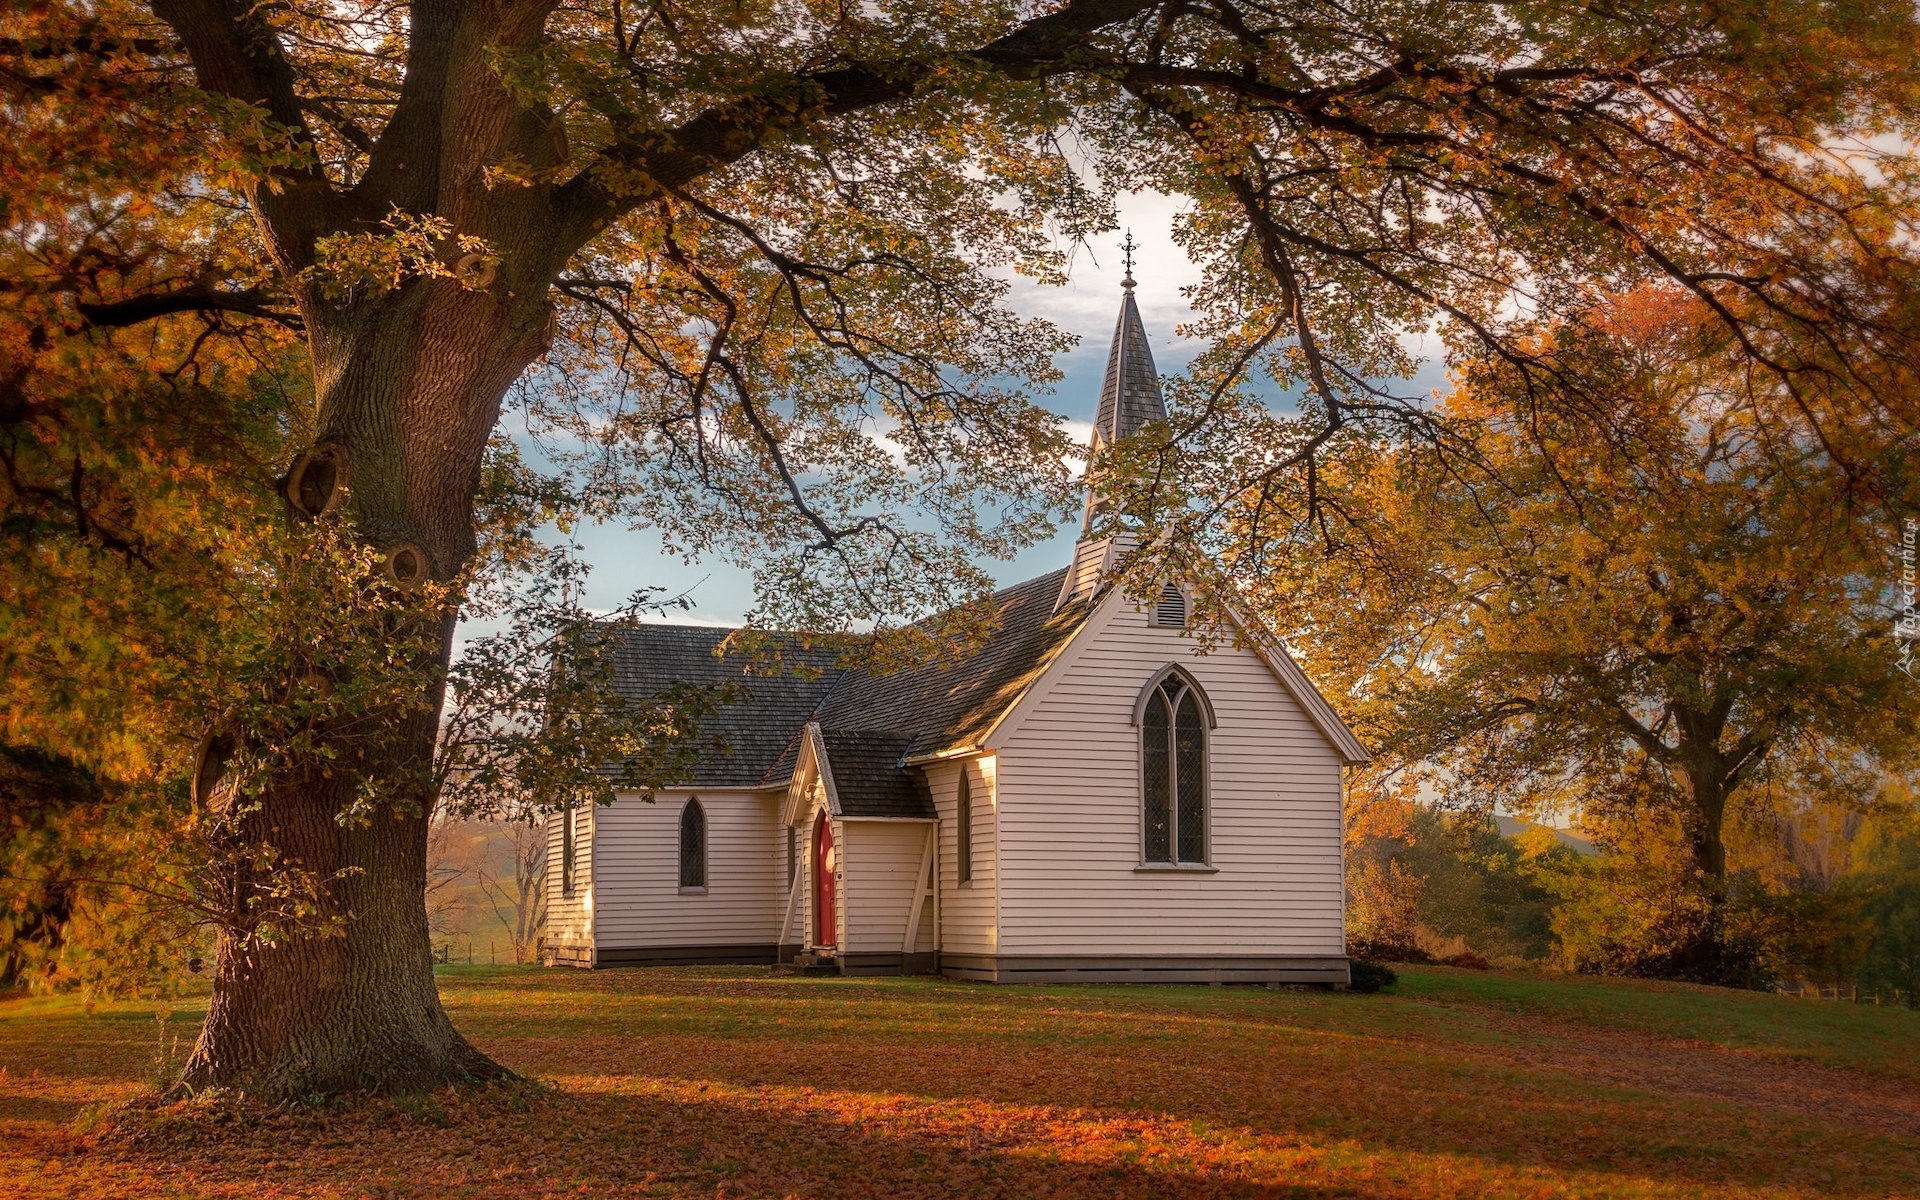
pixel 813 714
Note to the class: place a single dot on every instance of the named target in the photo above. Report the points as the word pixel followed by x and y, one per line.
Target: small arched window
pixel 569 851
pixel 693 845
pixel 1173 762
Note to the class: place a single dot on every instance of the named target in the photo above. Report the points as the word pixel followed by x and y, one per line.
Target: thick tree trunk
pixel 347 1000
pixel 409 383
pixel 410 386
pixel 1708 824
pixel 1705 775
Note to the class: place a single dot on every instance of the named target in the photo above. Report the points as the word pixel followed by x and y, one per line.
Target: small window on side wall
pixel 963 829
pixel 569 854
pixel 693 845
pixel 1170 610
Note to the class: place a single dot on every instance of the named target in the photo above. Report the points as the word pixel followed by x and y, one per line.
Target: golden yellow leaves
pixel 360 266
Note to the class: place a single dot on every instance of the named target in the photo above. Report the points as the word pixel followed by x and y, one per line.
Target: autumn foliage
pixel 276 275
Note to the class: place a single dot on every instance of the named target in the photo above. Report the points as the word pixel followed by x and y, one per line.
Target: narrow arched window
pixel 693 845
pixel 1173 770
pixel 963 829
pixel 569 853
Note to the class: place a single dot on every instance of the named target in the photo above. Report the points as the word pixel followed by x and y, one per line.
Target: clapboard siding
pixel 637 896
pixel 569 932
pixel 880 864
pixel 969 913
pixel 1069 812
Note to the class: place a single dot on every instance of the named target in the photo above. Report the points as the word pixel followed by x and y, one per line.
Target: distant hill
pixel 1510 827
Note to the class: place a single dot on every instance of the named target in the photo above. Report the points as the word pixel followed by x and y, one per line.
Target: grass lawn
pixel 729 1081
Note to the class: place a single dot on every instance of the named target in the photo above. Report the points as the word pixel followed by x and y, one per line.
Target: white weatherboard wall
pixel 637 897
pixel 1069 812
pixel 969 913
pixel 570 918
pixel 880 864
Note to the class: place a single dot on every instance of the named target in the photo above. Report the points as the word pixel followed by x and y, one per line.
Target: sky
pixel 625 560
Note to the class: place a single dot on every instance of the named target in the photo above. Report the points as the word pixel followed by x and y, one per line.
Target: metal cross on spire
pixel 1127 248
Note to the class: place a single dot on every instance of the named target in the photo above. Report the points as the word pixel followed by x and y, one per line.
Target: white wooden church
pixel 1090 797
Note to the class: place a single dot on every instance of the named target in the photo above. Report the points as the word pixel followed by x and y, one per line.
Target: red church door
pixel 824 922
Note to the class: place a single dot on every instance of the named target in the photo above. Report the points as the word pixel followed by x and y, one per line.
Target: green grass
pixel 1862 1037
pixel 698 1080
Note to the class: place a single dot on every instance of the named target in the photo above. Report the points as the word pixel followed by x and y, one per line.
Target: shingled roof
pixel 868 778
pixel 781 695
pixel 953 705
pixel 869 723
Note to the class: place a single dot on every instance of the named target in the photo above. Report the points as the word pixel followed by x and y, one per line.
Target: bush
pixel 1893 956
pixel 1622 915
pixel 1368 976
pixel 1375 950
pixel 1889 874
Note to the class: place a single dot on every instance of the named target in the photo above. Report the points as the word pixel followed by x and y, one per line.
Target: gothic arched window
pixel 569 851
pixel 963 831
pixel 693 845
pixel 1174 717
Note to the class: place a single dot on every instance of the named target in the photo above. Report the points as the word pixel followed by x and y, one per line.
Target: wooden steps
pixel 809 963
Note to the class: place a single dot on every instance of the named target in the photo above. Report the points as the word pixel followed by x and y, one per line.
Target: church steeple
pixel 1130 399
pixel 1130 394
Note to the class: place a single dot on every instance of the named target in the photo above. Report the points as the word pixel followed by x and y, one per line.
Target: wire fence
pixel 1851 994
pixel 447 954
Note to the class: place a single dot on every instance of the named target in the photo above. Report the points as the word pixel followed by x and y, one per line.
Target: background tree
pixel 518 895
pixel 1626 602
pixel 762 249
pixel 1432 885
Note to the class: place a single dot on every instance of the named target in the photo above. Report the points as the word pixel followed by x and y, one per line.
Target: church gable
pixel 1118 622
pixel 859 773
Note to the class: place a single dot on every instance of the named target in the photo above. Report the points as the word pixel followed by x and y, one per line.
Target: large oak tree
pixel 1624 598
pixel 759 253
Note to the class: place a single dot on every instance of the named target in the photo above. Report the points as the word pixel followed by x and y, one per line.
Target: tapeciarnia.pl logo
pixel 1906 621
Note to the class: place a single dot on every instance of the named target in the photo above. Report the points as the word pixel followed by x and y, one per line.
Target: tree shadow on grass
pixel 653 1135
pixel 672 1142
pixel 1499 1099
pixel 682 1086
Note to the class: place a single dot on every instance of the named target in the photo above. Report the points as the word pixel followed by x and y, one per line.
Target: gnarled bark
pixel 411 384
pixel 346 1002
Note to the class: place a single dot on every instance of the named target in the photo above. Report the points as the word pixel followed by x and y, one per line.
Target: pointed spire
pixel 1130 399
pixel 1130 395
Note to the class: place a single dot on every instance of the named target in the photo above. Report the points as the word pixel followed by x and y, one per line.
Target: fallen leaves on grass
pixel 727 1082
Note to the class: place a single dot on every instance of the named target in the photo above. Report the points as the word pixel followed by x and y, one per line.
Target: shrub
pixel 1369 976
pixel 1375 950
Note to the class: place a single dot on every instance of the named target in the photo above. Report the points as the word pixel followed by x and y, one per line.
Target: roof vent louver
pixel 1171 610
